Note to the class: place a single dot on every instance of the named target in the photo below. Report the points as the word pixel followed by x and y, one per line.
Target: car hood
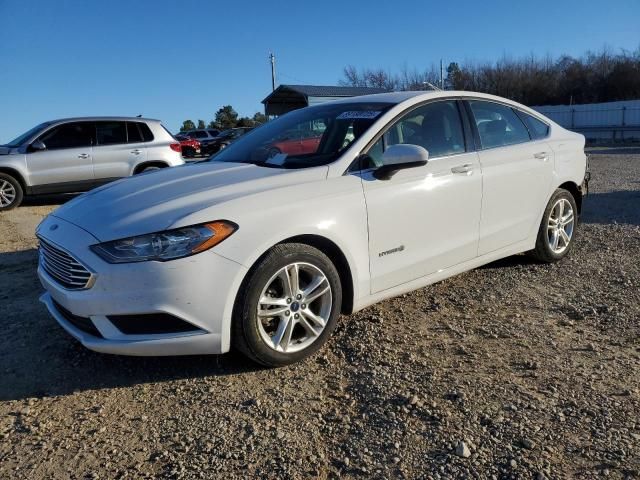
pixel 158 200
pixel 4 150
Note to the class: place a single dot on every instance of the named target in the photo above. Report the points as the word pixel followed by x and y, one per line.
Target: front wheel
pixel 557 229
pixel 11 193
pixel 288 305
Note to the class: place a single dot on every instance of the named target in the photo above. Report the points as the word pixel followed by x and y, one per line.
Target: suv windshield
pixel 16 142
pixel 304 138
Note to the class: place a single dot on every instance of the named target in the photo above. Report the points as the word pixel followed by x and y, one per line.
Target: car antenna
pixel 138 116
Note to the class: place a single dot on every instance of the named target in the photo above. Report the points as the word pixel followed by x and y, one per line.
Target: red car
pixel 190 146
pixel 298 143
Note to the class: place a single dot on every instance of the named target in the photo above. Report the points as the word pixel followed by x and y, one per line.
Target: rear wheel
pixel 288 305
pixel 557 229
pixel 11 192
pixel 150 168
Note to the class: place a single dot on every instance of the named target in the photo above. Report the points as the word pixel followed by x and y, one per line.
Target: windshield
pixel 308 137
pixel 16 142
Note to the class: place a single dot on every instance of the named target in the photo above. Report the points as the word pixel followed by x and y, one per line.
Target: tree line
pixel 601 76
pixel 225 118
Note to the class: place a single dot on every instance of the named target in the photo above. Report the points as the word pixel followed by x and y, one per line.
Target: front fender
pixel 337 213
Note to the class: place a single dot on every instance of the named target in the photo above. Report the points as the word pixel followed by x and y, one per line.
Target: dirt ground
pixel 514 370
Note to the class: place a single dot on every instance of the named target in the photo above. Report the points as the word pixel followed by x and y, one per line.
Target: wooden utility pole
pixel 272 57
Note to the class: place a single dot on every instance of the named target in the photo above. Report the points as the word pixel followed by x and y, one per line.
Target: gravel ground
pixel 514 370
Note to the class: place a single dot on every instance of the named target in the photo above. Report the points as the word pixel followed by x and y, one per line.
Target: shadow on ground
pixel 44 200
pixel 38 358
pixel 612 207
pixel 613 150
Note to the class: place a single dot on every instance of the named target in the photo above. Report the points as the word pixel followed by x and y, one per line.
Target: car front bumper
pixel 198 291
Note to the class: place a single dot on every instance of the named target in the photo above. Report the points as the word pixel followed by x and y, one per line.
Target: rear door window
pixel 498 125
pixel 111 133
pixel 69 135
pixel 134 135
pixel 147 136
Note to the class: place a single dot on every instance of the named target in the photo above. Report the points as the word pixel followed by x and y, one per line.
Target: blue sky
pixel 175 60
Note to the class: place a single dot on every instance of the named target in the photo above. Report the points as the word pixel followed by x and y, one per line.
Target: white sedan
pixel 262 252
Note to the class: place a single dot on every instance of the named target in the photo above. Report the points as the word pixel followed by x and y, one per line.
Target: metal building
pixel 599 122
pixel 286 98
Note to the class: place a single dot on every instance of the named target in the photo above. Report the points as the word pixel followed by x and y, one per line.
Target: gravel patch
pixel 513 370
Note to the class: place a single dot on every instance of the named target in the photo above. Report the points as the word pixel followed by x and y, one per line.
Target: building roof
pixel 324 91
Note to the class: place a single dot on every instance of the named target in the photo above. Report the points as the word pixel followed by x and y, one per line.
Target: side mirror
pixel 38 145
pixel 399 157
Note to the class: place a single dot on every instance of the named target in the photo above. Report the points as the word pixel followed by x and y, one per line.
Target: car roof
pixel 93 119
pixel 399 97
pixel 413 97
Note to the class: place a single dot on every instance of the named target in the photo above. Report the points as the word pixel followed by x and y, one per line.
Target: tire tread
pixel 239 338
pixel 542 252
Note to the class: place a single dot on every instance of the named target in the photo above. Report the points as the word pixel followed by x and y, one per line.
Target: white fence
pixel 599 122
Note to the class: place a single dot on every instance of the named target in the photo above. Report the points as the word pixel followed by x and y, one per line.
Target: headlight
pixel 166 245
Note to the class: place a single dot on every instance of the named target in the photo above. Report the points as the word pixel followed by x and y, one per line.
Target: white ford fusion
pixel 262 249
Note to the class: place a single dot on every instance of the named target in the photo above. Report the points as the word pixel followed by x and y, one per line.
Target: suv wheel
pixel 150 168
pixel 288 305
pixel 11 193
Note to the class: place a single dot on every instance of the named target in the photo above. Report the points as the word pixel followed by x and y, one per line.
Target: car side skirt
pixel 67 187
pixel 519 247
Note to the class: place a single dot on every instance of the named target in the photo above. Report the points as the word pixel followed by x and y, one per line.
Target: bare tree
pixel 595 77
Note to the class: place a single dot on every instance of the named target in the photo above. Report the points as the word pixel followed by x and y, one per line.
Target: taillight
pixel 176 147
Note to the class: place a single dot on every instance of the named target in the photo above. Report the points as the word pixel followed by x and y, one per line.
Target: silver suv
pixel 77 154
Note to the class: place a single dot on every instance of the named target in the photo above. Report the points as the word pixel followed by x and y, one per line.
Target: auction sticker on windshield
pixel 355 115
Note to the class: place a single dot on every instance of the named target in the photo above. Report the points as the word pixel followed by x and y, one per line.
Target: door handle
pixel 136 151
pixel 466 169
pixel 541 156
pixel 83 155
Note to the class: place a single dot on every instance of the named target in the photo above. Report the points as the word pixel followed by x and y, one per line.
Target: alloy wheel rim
pixel 7 194
pixel 294 307
pixel 560 226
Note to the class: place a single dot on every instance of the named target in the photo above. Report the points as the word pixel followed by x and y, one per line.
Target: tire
pixel 11 193
pixel 257 335
pixel 150 168
pixel 550 233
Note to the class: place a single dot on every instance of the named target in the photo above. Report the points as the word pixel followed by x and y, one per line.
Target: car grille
pixel 63 268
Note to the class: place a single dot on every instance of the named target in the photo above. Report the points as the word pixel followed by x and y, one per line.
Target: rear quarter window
pixel 537 128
